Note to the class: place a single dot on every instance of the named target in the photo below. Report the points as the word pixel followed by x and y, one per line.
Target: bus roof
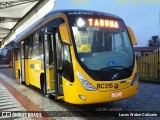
pixel 67 12
pixel 82 12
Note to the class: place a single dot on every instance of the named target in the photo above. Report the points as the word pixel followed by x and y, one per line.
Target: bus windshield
pixel 103 48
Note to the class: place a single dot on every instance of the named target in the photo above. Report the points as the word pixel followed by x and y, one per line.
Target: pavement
pixel 17 97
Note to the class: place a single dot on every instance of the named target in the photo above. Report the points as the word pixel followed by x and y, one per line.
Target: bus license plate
pixel 116 94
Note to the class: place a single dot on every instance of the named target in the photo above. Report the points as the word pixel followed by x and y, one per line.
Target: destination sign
pixel 103 23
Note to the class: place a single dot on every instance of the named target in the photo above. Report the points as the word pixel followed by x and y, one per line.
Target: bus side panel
pixel 34 72
pixel 17 67
pixel 27 71
pixel 50 78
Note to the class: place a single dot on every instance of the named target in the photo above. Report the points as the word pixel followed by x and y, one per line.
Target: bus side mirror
pixel 131 34
pixel 64 33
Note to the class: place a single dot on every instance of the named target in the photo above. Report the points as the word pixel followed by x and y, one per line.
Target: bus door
pixel 63 63
pixel 53 59
pixel 16 63
pixel 22 60
pixel 14 67
pixel 48 83
pixel 58 53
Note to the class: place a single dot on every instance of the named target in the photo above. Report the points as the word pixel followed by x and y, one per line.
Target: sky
pixel 143 16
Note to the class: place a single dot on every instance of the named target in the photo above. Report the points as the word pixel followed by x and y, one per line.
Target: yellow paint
pixel 50 78
pixel 34 72
pixel 60 97
pixel 27 71
pixel 85 48
pixel 64 31
pixel 72 94
pixel 131 34
pixel 17 67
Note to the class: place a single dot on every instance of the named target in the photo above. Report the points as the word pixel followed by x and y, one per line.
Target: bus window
pixel 22 50
pixel 58 49
pixel 26 50
pixel 35 48
pixel 35 52
pixel 83 40
pixel 48 50
pixel 67 64
pixel 109 44
pixel 118 46
pixel 16 52
pixel 126 42
pixel 97 42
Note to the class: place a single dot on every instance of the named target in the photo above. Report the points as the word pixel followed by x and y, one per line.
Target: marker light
pixel 82 97
pixel 85 82
pixel 80 22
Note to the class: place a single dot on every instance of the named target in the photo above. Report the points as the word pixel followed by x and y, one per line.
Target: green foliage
pixel 154 41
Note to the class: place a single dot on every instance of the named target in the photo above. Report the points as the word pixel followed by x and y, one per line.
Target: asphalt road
pixel 148 99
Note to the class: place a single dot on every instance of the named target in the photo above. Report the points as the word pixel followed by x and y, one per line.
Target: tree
pixel 154 41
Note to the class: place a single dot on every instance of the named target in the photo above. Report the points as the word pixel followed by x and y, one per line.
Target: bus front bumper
pixel 92 97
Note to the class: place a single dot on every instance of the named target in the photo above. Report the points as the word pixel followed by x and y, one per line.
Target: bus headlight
pixel 85 82
pixel 135 78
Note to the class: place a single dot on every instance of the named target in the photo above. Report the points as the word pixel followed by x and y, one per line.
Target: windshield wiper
pixel 114 68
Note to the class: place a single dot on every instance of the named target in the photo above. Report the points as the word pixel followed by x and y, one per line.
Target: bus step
pixel 50 91
pixel 60 97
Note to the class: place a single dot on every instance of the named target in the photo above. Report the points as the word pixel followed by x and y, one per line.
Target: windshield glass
pixel 99 48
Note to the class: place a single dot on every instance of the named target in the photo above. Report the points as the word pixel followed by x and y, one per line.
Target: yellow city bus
pixel 80 56
pixel 16 62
